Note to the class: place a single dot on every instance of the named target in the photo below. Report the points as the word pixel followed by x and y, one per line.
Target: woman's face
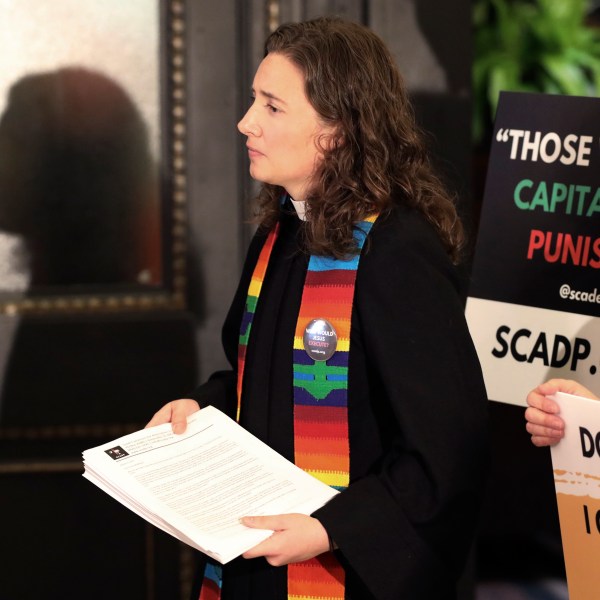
pixel 282 128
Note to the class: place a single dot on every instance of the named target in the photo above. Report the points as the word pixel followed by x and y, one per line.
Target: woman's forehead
pixel 278 77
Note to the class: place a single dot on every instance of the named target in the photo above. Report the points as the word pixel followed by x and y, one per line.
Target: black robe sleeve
pixel 405 525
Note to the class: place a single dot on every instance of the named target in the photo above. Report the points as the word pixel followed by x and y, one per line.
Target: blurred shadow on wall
pixel 79 187
pixel 77 181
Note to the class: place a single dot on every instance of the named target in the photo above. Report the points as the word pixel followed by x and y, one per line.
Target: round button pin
pixel 320 339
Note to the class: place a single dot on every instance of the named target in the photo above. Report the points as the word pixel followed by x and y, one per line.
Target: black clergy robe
pixel 417 412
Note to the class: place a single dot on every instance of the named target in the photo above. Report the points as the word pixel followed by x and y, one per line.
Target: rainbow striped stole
pixel 258 276
pixel 213 572
pixel 321 440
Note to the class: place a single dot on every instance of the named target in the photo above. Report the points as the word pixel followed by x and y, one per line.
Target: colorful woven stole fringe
pixel 321 443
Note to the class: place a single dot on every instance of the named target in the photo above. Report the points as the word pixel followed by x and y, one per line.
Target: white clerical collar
pixel 300 207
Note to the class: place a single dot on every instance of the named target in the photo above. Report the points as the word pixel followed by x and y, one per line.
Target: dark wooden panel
pixel 66 539
pixel 72 382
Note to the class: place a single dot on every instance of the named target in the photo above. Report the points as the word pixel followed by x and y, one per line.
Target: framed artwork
pixel 92 155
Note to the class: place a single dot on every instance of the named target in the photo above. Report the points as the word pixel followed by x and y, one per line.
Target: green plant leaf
pixel 531 45
pixel 569 77
pixel 504 76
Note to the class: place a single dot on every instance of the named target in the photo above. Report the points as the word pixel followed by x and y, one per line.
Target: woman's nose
pixel 248 124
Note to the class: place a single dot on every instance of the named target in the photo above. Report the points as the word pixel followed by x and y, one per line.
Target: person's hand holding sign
pixel 543 420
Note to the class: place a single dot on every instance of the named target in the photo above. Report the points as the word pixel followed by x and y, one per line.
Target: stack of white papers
pixel 196 486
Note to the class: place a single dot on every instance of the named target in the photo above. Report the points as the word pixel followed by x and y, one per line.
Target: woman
pixel 362 373
pixel 543 423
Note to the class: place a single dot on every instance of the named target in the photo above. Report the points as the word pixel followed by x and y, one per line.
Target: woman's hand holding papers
pixel 543 422
pixel 296 538
pixel 176 413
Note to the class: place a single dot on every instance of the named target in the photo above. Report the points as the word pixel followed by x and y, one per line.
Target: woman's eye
pixel 272 108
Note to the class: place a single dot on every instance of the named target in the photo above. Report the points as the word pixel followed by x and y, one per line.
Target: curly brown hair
pixel 378 156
